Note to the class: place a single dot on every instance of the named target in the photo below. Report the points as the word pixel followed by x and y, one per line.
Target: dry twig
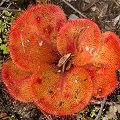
pixel 74 8
pixel 116 3
pixel 107 103
pixel 89 5
pixel 102 105
pixel 3 1
pixel 11 10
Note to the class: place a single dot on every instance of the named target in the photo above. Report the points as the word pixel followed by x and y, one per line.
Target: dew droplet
pixel 87 48
pixel 59 71
pixel 76 81
pixel 40 44
pixel 100 90
pixel 28 40
pixel 58 88
pixel 77 76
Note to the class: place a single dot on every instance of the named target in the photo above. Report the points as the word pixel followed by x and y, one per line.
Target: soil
pixel 106 13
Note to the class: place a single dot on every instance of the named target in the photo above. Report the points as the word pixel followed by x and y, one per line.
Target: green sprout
pixel 4 48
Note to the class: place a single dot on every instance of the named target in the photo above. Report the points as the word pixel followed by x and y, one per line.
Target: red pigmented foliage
pixel 17 81
pixel 81 37
pixel 33 53
pixel 103 68
pixel 104 79
pixel 32 39
pixel 61 93
pixel 88 61
pixel 48 20
pixel 110 50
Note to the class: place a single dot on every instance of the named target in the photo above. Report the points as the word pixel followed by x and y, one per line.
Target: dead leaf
pixel 111 113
